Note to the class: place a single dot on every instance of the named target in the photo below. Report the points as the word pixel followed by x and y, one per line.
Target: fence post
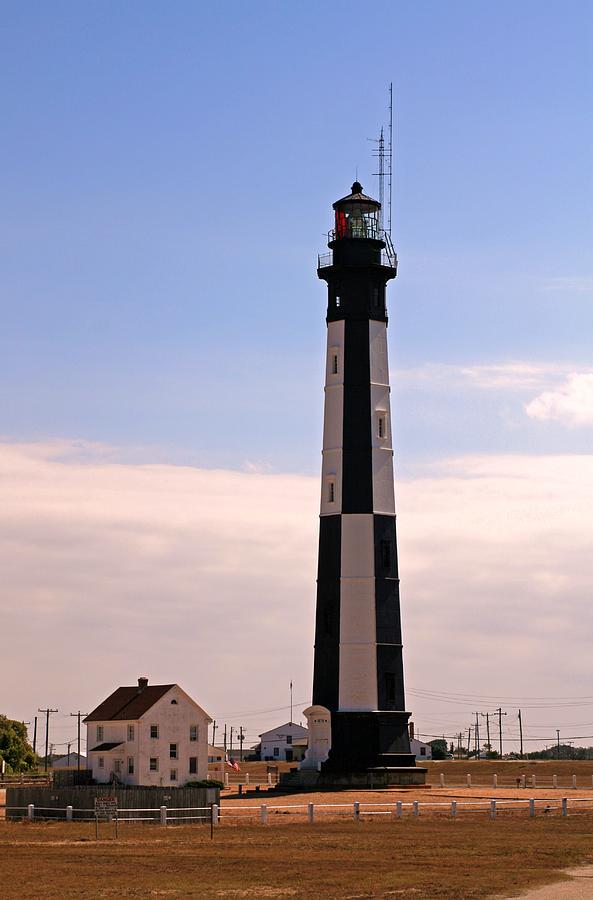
pixel 469 780
pixel 554 781
pixel 68 813
pixel 565 806
pixel 263 814
pixel 523 781
pixel 532 807
pixel 533 781
pixel 246 777
pixel 399 809
pixel 269 779
pixel 574 782
pixel 31 811
pixel 493 809
pixel 226 779
pixel 442 779
pixel 311 812
pixel 163 815
pixel 356 810
pixel 453 808
pixel 416 808
pixel 495 781
pixel 215 813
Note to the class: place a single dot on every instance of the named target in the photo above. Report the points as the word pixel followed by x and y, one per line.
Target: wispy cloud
pixel 571 403
pixel 207 577
pixel 570 284
pixel 513 375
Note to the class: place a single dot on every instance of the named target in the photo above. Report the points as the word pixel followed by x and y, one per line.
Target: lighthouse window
pixel 381 426
pixel 331 494
pixel 338 302
pixel 335 364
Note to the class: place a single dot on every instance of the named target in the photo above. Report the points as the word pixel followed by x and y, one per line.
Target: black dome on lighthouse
pixel 357 196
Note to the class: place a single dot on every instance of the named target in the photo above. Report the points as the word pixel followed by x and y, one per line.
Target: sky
pixel 167 173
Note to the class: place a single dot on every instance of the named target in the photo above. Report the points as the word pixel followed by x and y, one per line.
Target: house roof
pixel 128 702
pixel 108 745
pixel 281 729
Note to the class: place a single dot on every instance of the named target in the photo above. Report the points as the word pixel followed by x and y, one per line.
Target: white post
pixel 269 779
pixel 226 779
pixel 469 780
pixel 442 779
pixel 453 808
pixel 495 781
pixel 163 815
pixel 574 782
pixel 68 813
pixel 565 806
pixel 532 808
pixel 533 781
pixel 356 809
pixel 263 814
pixel 493 809
pixel 31 811
pixel 554 781
pixel 416 808
pixel 523 784
pixel 311 812
pixel 399 809
pixel 246 777
pixel 215 813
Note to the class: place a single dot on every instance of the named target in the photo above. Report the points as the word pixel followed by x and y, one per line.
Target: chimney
pixel 142 683
pixel 411 730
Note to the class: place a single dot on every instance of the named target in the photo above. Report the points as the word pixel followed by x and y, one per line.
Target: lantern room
pixel 357 216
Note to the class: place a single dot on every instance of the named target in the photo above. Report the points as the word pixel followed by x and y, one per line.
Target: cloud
pixel 570 284
pixel 207 577
pixel 571 403
pixel 514 375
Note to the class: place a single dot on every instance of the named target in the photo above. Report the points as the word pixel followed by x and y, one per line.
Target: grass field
pixel 436 858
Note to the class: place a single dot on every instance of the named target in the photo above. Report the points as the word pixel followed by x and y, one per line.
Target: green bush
pixel 204 783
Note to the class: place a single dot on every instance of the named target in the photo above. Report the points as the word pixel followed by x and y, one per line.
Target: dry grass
pixel 425 858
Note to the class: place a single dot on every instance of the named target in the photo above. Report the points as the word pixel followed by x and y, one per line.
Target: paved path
pixel 580 887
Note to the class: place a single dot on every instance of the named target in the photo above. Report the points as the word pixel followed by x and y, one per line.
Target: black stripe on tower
pixel 326 672
pixel 357 460
pixel 390 671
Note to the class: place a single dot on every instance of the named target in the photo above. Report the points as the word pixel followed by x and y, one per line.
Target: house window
pixel 193 765
pixel 276 751
pixel 130 765
pixel 154 731
pixel 100 732
pixel 422 751
pixel 131 732
pixel 386 554
pixel 334 364
pixel 173 702
pixel 101 762
pixel 331 492
pixel 154 764
pixel 172 751
pixel 117 765
pixel 173 775
pixel 381 427
pixel 289 738
pixel 193 732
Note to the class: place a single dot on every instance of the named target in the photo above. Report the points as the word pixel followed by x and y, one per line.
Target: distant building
pixel 284 743
pixel 420 749
pixel 148 735
pixel 69 761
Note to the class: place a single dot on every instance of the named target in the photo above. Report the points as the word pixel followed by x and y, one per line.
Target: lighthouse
pixel 358 683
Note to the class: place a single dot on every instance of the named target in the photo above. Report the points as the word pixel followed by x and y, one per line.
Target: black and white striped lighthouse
pixel 358 674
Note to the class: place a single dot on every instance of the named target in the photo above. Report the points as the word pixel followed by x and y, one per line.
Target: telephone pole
pixel 469 740
pixel 500 715
pixel 477 736
pixel 521 734
pixel 77 715
pixel 231 740
pixel 214 733
pixel 241 739
pixel 487 717
pixel 35 737
pixel 558 741
pixel 225 742
pixel 48 713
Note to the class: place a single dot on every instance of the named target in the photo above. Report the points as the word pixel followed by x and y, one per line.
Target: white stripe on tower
pixel 333 417
pixel 383 488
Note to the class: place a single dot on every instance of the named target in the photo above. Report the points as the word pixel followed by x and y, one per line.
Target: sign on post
pixel 105 811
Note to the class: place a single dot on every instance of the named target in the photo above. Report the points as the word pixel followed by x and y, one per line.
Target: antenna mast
pixel 385 168
pixel 390 157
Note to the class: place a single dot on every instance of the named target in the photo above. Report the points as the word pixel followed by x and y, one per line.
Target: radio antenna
pixel 390 158
pixel 385 168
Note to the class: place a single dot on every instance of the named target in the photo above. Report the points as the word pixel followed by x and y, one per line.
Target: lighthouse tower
pixel 358 673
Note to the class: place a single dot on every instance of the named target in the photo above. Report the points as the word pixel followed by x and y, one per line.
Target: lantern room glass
pixel 357 220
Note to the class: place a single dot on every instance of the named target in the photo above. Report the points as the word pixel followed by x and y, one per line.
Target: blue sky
pixel 167 172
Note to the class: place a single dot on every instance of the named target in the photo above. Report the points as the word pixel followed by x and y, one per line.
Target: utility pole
pixel 521 734
pixel 469 740
pixel 68 760
pixel 487 717
pixel 500 715
pixel 241 739
pixel 214 733
pixel 225 742
pixel 291 701
pixel 35 737
pixel 558 740
pixel 477 736
pixel 231 740
pixel 77 715
pixel 48 713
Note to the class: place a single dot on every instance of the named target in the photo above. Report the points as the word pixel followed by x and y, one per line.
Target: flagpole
pixel 291 702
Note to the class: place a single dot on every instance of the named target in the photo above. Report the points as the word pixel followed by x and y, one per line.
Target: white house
pixel 280 743
pixel 148 735
pixel 70 761
pixel 420 750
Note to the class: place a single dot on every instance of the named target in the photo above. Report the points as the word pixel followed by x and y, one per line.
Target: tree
pixel 439 749
pixel 15 749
